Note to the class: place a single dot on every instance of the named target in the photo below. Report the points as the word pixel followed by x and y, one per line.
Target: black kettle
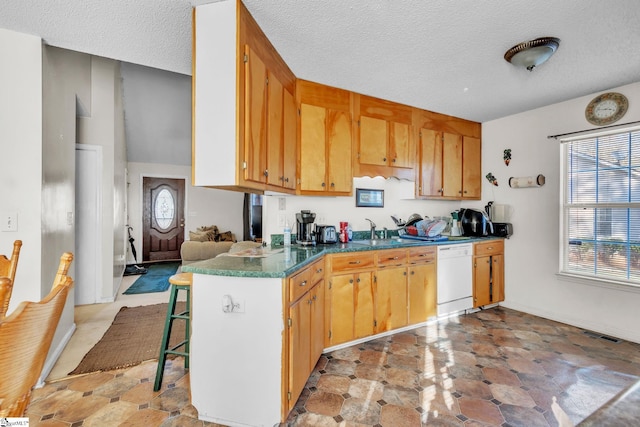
pixel 475 223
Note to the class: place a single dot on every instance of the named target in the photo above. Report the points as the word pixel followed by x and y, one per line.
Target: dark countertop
pixel 282 261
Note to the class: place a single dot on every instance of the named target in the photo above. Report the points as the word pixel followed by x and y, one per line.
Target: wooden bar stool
pixel 179 282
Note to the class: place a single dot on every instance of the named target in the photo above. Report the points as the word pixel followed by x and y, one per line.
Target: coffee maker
pixel 305 234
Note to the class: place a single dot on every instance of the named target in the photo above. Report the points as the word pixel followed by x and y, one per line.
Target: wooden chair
pixel 8 269
pixel 26 336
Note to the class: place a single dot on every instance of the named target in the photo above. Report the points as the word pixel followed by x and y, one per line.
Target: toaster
pixel 326 234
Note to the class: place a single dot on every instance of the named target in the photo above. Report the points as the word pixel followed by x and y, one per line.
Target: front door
pixel 163 218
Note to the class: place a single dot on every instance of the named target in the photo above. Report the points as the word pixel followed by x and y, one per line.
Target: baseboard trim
pixel 54 356
pixel 624 334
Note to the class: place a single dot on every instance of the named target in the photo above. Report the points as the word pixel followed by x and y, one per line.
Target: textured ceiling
pixel 439 55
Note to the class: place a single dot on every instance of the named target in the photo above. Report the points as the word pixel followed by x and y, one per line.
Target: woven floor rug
pixel 134 337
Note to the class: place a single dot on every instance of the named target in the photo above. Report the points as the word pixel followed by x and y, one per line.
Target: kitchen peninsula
pixel 261 320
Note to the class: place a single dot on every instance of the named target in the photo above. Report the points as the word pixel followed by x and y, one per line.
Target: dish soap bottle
pixel 287 234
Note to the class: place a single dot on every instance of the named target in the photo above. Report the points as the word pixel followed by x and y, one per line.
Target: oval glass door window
pixel 164 209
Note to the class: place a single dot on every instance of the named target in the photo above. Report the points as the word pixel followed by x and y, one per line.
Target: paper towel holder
pixel 527 181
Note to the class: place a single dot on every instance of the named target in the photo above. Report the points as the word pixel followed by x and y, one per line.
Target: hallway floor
pixel 496 367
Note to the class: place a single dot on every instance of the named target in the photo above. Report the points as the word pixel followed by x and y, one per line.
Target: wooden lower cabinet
pixel 421 283
pixel 488 273
pixel 305 329
pixel 391 299
pixel 352 311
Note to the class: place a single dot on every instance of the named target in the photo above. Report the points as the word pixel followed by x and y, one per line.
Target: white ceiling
pixel 438 55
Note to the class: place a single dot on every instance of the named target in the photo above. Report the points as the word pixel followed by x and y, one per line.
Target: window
pixel 600 236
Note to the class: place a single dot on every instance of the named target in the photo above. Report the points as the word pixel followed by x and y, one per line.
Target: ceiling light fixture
pixel 532 53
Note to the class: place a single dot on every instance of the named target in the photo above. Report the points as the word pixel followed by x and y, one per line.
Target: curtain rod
pixel 591 130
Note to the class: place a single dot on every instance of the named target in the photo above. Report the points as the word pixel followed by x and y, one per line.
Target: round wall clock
pixel 606 108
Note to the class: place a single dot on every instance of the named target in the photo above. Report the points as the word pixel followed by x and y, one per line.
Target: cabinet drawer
pixel 299 284
pixel 392 257
pixel 352 261
pixel 317 271
pixel 422 255
pixel 488 248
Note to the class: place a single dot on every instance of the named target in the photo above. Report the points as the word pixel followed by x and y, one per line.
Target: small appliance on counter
pixel 502 229
pixel 305 232
pixel 455 225
pixel 475 223
pixel 326 234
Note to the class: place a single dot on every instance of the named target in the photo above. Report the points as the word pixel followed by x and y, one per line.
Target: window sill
pixel 600 283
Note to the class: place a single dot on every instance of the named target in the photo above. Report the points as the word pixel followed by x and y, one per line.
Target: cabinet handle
pixel 394 160
pixel 465 191
pixel 323 184
pixel 266 172
pixel 354 262
pixel 286 180
pixel 332 185
pixel 460 192
pixel 304 283
pixel 358 280
pixel 315 297
pixel 404 272
pixel 441 190
pixel 319 270
pixel 350 280
pixel 384 159
pixel 413 272
pixel 391 259
pixel 490 248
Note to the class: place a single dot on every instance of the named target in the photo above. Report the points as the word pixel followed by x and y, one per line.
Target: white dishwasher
pixel 455 281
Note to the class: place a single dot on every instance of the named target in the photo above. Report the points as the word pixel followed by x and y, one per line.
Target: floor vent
pixel 604 337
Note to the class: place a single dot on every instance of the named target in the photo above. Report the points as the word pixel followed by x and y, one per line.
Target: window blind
pixel 600 235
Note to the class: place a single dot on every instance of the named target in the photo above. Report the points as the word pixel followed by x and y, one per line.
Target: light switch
pixel 9 221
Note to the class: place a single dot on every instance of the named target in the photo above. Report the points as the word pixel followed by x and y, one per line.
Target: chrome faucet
pixel 373 229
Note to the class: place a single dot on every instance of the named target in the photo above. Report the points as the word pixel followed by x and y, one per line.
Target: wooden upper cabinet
pixel 471 172
pixel 384 141
pixel 325 140
pixel 255 129
pixel 449 161
pixel 244 114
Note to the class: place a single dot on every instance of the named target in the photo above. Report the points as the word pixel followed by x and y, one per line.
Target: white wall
pixel 104 126
pixel 532 253
pixel 204 206
pixel 398 201
pixel 21 142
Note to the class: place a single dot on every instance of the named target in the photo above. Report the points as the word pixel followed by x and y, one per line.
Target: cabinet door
pixel 339 172
pixel 299 345
pixel 471 168
pixel 391 298
pixel 341 317
pixel 497 271
pixel 363 317
pixel 290 146
pixel 255 118
pixel 317 324
pixel 373 141
pixel 481 281
pixel 452 165
pixel 275 131
pixel 312 148
pixel 430 177
pixel 400 145
pixel 422 292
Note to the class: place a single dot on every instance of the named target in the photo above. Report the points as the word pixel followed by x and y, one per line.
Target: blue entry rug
pixel 155 280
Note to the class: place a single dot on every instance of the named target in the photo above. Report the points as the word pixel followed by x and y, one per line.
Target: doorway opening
pixel 255 217
pixel 162 218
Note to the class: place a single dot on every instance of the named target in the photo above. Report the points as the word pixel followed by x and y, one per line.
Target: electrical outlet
pixel 282 204
pixel 9 221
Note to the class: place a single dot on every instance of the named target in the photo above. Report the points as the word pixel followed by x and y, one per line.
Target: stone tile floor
pixel 496 367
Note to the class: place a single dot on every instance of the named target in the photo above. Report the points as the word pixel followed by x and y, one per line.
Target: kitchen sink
pixel 377 242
